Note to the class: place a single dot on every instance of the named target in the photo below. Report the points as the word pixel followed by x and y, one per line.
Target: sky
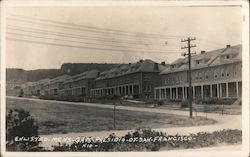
pixel 47 37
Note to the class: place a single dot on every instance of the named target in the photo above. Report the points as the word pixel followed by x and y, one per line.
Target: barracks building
pixel 135 80
pixel 215 73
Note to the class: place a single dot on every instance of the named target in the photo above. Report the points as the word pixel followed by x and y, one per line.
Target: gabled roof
pixel 85 75
pixel 141 66
pixel 61 78
pixel 210 58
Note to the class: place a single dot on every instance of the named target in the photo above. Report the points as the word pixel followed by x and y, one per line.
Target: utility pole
pixel 114 127
pixel 190 96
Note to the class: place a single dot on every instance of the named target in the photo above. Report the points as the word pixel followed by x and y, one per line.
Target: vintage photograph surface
pixel 124 78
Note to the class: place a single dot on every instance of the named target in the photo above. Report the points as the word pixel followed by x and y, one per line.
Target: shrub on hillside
pixel 225 101
pixel 160 103
pixel 184 103
pixel 198 101
pixel 201 139
pixel 20 124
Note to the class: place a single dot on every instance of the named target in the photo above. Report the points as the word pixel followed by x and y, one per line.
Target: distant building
pixel 80 84
pixel 27 88
pixel 215 73
pixel 13 87
pixel 135 80
pixel 55 85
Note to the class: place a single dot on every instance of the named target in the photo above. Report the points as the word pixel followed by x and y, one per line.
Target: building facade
pixel 135 80
pixel 79 85
pixel 215 73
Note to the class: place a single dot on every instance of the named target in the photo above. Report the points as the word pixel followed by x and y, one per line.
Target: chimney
pixel 228 46
pixel 163 63
pixel 202 52
pixel 156 67
pixel 141 60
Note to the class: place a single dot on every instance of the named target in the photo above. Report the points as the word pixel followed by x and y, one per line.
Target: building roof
pixel 229 54
pixel 85 75
pixel 141 66
pixel 61 78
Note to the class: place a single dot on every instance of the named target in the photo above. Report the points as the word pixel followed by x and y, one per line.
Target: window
pixel 197 76
pixel 225 56
pixel 149 88
pixel 222 72
pixel 165 81
pixel 198 62
pixel 200 75
pixel 215 75
pixel 147 77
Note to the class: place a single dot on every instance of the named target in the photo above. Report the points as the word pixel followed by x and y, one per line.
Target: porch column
pixel 218 91
pixel 211 90
pixel 193 91
pixel 132 89
pixel 201 91
pixel 183 94
pixel 165 91
pixel 176 93
pixel 170 93
pixel 227 89
pixel 155 93
pixel 159 93
pixel 237 89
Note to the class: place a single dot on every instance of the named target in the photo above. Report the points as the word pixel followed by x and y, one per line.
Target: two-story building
pixel 55 85
pixel 79 85
pixel 135 80
pixel 215 73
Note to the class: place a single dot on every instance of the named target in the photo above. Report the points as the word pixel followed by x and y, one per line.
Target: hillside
pixel 76 68
pixel 21 75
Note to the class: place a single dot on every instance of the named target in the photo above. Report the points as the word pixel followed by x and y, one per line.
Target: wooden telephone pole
pixel 190 97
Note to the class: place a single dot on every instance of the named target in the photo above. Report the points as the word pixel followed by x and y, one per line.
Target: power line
pixel 85 47
pixel 47 32
pixel 94 30
pixel 92 27
pixel 106 29
pixel 210 42
pixel 40 37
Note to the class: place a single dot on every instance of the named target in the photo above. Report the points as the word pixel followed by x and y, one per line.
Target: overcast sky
pixel 28 48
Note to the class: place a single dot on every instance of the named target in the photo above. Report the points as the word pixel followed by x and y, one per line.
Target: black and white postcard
pixel 124 78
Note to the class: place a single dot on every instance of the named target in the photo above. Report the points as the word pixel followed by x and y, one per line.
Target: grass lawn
pixel 64 118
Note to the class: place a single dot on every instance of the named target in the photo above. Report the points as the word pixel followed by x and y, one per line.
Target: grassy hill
pixel 21 75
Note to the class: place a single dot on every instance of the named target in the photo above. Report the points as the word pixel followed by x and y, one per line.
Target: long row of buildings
pixel 215 73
